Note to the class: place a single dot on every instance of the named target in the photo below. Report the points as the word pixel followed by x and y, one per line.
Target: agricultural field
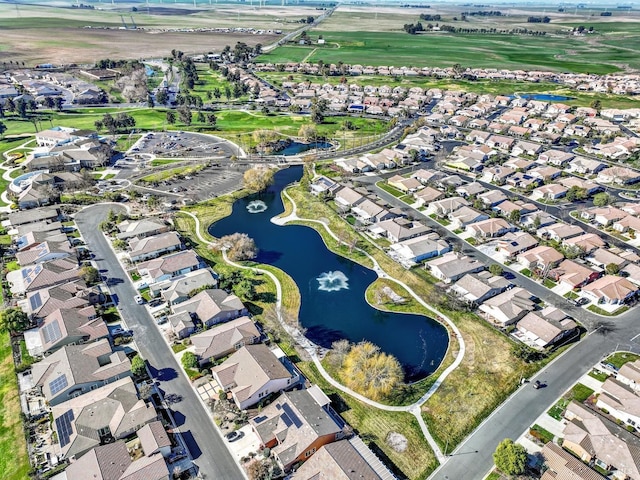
pixel 44 34
pixel 375 37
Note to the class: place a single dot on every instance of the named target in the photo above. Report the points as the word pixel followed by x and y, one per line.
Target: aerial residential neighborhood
pixel 319 240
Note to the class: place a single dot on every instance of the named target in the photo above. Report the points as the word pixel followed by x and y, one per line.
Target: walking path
pixel 313 349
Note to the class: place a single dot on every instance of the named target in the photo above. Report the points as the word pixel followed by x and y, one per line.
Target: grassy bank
pixel 14 461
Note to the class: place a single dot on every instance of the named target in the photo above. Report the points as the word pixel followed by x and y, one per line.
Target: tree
pixel 90 274
pixel 171 117
pixel 308 132
pixel 371 372
pixel 59 102
pixel 257 179
pixel 184 113
pixel 612 269
pixel 138 366
pixel 495 269
pixel 597 104
pixel 514 216
pixel 510 458
pixel 259 470
pixel 13 320
pixel 239 246
pixel 49 103
pixel 3 128
pixel 212 120
pixel 601 199
pixel 162 97
pixel 189 360
pixel 245 289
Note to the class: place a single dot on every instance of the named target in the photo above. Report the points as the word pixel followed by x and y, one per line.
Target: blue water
pixel 543 97
pixel 297 147
pixel 332 288
pixel 149 71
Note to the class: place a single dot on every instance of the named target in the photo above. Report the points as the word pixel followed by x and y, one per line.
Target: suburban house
pixel 508 307
pixel 586 166
pixel 551 191
pixel 629 374
pixel 559 231
pixel 70 326
pixel 213 306
pixel 573 274
pixel 254 372
pixel 42 275
pixel 420 248
pixel 145 227
pixel 341 460
pixel 514 243
pixel 76 369
pixel 626 224
pixel 445 206
pixel 347 197
pixel 113 461
pixel 605 216
pixel 170 266
pixel 561 464
pixel 470 189
pixel 541 330
pixel 610 290
pixel 427 195
pixel 399 229
pixel 451 266
pixel 621 401
pixel 593 438
pixel 490 228
pixel 45 252
pixel 370 212
pixel 602 257
pixel 632 273
pixel 296 425
pixel 177 290
pixel 475 288
pixel 224 339
pixel 556 157
pixel 111 412
pixel 154 439
pixel 491 198
pixel 465 216
pixel 43 226
pixel 146 248
pixel 74 294
pixel 47 214
pixel 403 184
pixel 619 175
pixel 324 185
pixel 588 186
pixel 182 324
pixel 587 242
pixel 540 258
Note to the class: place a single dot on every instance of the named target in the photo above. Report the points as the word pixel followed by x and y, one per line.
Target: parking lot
pixel 183 145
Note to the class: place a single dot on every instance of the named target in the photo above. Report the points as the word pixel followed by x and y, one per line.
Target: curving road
pixel 207 448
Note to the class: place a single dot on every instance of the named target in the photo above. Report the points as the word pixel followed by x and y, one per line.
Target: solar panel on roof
pixel 35 301
pixel 51 332
pixel 58 384
pixel 292 416
pixel 63 425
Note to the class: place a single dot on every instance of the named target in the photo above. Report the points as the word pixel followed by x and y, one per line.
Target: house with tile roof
pixel 541 331
pixel 296 425
pixel 213 306
pixel 610 290
pixel 254 372
pixel 142 228
pixel 70 326
pixel 170 266
pixel 146 248
pixel 74 294
pixel 224 339
pixel 562 465
pixel 108 413
pixel 42 275
pixel 508 307
pixel 177 290
pixel 77 369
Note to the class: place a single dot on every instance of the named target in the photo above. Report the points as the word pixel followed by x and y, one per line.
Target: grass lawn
pixel 161 162
pixel 571 295
pixel 526 272
pixel 171 173
pixel 548 283
pixel 12 265
pixel 620 358
pixel 177 348
pixel 389 189
pixel 14 462
pixel 545 436
pixel 600 311
pixel 600 376
pixel 579 393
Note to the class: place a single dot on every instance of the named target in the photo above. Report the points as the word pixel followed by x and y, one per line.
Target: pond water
pixel 332 288
pixel 542 97
pixel 298 147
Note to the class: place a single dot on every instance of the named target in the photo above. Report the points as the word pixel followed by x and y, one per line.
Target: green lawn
pixel 171 173
pixel 579 393
pixel 620 358
pixel 14 462
pixel 600 376
pixel 390 189
pixel 541 434
pixel 600 311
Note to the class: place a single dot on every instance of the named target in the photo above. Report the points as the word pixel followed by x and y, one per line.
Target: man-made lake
pixel 298 147
pixel 332 288
pixel 542 97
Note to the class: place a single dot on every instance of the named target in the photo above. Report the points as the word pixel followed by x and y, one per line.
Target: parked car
pixel 139 300
pixel 582 301
pixel 233 436
pixel 537 384
pixel 121 332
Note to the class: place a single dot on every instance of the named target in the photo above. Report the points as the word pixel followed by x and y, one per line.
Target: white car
pixel 139 300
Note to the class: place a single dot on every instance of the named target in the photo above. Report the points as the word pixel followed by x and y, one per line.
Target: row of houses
pixel 624 84
pixel 82 380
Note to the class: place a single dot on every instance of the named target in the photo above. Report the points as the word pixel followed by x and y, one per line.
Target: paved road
pixel 206 446
pixel 472 459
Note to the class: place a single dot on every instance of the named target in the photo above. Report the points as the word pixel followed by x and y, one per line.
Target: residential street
pixel 206 446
